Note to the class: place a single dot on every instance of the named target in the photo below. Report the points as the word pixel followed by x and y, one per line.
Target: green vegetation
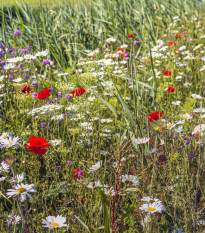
pixel 102 109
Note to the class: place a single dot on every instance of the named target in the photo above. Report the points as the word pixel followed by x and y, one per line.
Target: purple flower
pixel 10 78
pixel 126 54
pixel 60 94
pixel 68 96
pixel 46 62
pixel 127 58
pixel 69 163
pixel 2 63
pixel 2 46
pixel 34 95
pixel 57 168
pixel 34 83
pixel 136 42
pixel 196 19
pixel 43 125
pixel 55 99
pixel 200 18
pixel 51 89
pixel 191 155
pixel 66 202
pixel 75 219
pixel 17 33
pixel 175 137
pixel 175 147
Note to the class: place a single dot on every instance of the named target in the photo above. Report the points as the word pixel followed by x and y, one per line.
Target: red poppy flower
pixel 78 92
pixel 170 44
pixel 155 116
pixel 156 7
pixel 25 90
pixel 78 174
pixel 179 36
pixel 167 73
pixel 197 134
pixel 170 89
pixel 119 49
pixel 130 36
pixel 185 32
pixel 43 94
pixel 37 145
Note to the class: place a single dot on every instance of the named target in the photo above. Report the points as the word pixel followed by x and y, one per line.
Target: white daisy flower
pixel 186 116
pixel 58 117
pixel 152 208
pixel 146 220
pixel 18 179
pixel 176 103
pixel 13 219
pixel 96 166
pixel 140 140
pixel 199 110
pixel 41 54
pixel 130 178
pixel 55 142
pixel 196 96
pixel 111 39
pixel 178 230
pixel 53 222
pixel 109 192
pixel 4 167
pixel 3 178
pixel 5 136
pixel 106 120
pixel 76 117
pixel 9 142
pixel 23 190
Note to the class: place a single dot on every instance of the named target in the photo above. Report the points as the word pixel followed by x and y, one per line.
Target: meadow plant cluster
pixel 113 143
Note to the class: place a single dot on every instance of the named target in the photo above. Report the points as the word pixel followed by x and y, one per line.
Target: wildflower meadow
pixel 102 116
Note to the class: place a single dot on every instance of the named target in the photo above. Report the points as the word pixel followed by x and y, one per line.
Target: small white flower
pixel 111 39
pixel 199 110
pixel 151 208
pixel 13 219
pixel 130 178
pixel 140 140
pixel 53 222
pixel 41 54
pixel 55 142
pixel 106 120
pixel 123 46
pixel 176 103
pixel 18 179
pixel 186 116
pixel 10 142
pixel 4 167
pixel 21 189
pixel 58 117
pixel 3 178
pixel 196 96
pixel 96 166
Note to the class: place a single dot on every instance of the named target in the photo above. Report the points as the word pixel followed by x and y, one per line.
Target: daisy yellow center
pixel 54 224
pixel 151 209
pixel 10 144
pixel 106 120
pixel 57 117
pixel 6 137
pixel 77 116
pixel 151 201
pixel 168 126
pixel 55 142
pixel 21 190
pixel 185 117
